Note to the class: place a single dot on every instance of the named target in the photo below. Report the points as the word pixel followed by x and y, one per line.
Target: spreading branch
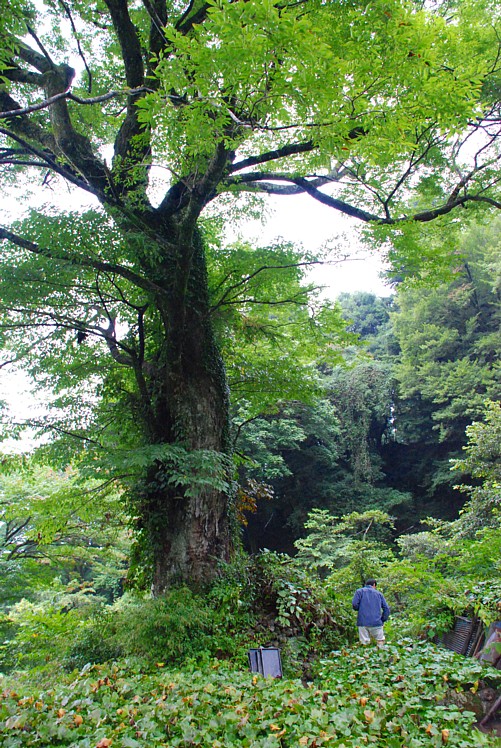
pixel 292 149
pixel 235 287
pixel 84 262
pixel 46 103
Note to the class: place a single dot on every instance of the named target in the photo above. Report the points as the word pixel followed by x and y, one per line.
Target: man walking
pixel 373 611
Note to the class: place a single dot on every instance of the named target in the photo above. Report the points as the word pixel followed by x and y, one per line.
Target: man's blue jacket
pixel 372 608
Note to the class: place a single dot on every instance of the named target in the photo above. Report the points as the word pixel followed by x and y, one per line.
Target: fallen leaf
pixel 104 743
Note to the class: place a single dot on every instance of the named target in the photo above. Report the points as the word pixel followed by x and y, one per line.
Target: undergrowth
pixel 264 601
pixel 391 698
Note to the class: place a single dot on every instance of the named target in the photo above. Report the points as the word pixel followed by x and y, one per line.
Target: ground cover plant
pixel 394 698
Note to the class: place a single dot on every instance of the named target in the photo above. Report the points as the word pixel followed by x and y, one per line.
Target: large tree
pixel 353 104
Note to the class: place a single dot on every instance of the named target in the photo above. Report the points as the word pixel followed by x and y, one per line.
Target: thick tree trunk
pixel 186 520
pixel 188 526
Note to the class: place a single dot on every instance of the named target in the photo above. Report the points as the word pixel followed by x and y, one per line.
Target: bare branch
pixel 303 295
pixel 72 97
pixel 41 62
pixel 267 186
pixel 487 200
pixel 18 75
pixel 79 46
pixel 242 283
pixel 129 42
pixel 14 528
pixel 368 217
pixel 109 334
pixel 41 47
pixel 133 140
pixel 66 432
pixel 343 207
pixel 157 12
pixel 49 161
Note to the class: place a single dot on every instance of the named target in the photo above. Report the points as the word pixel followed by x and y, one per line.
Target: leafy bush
pixel 266 601
pixel 41 631
pixel 171 629
pixel 94 642
pixel 438 580
pixel 353 540
pixel 298 604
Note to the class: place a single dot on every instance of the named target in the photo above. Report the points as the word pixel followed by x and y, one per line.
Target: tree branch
pixel 79 46
pixel 194 13
pixel 49 160
pixel 132 143
pixel 84 262
pixel 157 11
pixel 14 529
pixel 40 62
pixel 242 283
pixel 109 335
pixel 128 39
pixel 62 140
pixel 256 180
pixel 291 149
pixel 340 205
pixel 17 111
pixel 348 209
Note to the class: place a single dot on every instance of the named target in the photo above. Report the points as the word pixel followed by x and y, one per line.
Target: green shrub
pixel 299 604
pixel 182 625
pixel 167 629
pixel 45 633
pixel 40 636
pixel 95 642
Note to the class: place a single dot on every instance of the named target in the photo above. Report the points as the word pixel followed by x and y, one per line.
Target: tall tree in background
pixel 350 103
pixel 398 412
pixel 449 365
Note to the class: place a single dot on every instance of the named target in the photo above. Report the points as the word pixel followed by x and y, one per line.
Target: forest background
pixel 361 437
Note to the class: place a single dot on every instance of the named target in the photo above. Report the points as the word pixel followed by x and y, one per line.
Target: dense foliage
pixel 163 115
pixel 398 697
pixel 136 320
pixel 397 412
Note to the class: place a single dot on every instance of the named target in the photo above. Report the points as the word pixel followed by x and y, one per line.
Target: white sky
pixel 302 220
